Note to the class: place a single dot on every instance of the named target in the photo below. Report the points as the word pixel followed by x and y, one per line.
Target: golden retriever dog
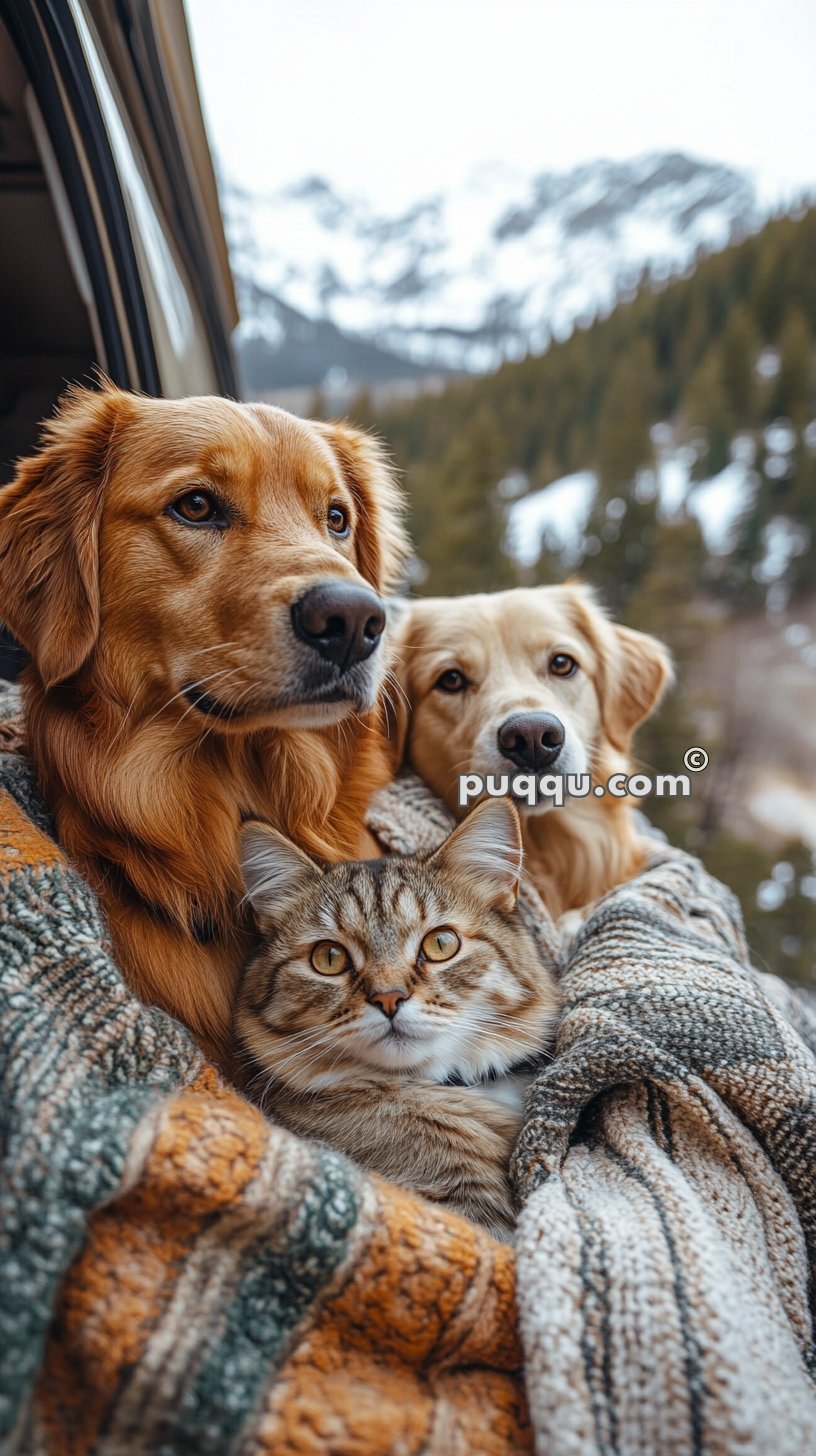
pixel 199 584
pixel 534 681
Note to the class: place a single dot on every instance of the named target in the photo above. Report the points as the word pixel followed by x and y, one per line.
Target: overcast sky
pixel 399 98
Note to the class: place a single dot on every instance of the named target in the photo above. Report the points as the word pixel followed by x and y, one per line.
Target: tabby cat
pixel 390 999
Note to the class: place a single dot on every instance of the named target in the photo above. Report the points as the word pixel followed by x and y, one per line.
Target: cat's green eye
pixel 440 945
pixel 329 958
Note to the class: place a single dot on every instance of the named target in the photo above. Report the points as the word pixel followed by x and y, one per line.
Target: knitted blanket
pixel 181 1276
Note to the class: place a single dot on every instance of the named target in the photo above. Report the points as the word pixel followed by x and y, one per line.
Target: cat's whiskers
pixel 305 1057
pixel 503 1029
pixel 317 1042
pixel 498 1030
pixel 278 1064
pixel 289 1036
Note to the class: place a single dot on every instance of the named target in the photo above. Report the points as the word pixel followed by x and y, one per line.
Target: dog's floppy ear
pixel 383 548
pixel 49 535
pixel 634 669
pixel 637 676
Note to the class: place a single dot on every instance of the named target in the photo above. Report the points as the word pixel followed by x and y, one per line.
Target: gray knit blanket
pixel 180 1276
pixel 666 1177
pixel 666 1170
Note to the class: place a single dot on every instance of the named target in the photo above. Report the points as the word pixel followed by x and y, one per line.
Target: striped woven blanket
pixel 181 1276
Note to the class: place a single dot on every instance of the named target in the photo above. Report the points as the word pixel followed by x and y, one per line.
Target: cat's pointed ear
pixel 275 871
pixel 485 852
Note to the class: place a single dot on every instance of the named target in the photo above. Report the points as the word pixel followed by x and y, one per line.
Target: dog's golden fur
pixel 120 607
pixel 503 643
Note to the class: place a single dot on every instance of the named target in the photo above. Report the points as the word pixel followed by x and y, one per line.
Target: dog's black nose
pixel 531 740
pixel 341 621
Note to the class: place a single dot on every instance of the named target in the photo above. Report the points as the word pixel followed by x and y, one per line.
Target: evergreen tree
pixel 459 536
pixel 706 416
pixel 793 395
pixel 627 414
pixel 738 352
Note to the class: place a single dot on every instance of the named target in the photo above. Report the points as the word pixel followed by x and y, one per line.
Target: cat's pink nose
pixel 389 1002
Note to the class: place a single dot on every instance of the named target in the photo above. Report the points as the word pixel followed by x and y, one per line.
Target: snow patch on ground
pixel 673 484
pixel 557 516
pixel 786 809
pixel 718 504
pixel 783 539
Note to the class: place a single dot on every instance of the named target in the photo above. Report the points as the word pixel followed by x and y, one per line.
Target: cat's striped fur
pixel 359 1053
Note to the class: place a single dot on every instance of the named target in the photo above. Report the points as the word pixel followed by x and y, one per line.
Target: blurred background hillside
pixel 587 332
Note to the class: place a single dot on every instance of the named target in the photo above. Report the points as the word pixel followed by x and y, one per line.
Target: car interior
pixel 46 324
pixel 131 274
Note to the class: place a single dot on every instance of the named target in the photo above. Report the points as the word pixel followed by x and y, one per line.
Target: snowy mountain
pixel 465 280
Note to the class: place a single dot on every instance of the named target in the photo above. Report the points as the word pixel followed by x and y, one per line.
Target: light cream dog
pixel 534 680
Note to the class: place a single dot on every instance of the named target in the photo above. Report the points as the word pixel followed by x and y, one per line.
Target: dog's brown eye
pixel 451 681
pixel 329 958
pixel 338 521
pixel 440 945
pixel 198 508
pixel 562 665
